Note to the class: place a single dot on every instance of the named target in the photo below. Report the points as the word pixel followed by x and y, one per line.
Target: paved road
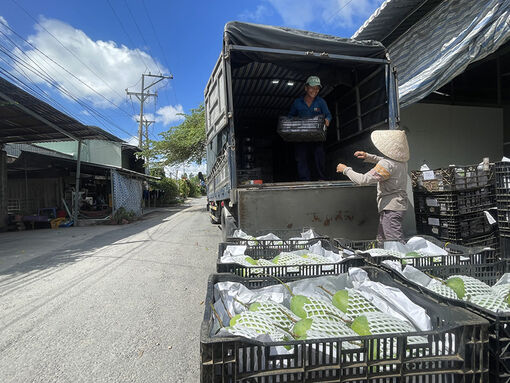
pixel 123 304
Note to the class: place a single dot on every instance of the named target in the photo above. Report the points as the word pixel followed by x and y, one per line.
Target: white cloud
pixel 3 26
pixel 133 140
pixel 114 67
pixel 303 13
pixel 258 15
pixel 170 114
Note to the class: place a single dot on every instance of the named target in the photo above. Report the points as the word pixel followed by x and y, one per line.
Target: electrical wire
pixel 128 36
pixel 140 32
pixel 48 79
pixel 161 49
pixel 67 49
pixel 60 66
pixel 338 12
pixel 41 73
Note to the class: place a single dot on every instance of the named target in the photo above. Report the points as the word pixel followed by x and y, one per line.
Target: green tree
pixel 184 143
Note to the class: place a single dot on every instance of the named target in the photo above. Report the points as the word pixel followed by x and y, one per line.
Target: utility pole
pixel 144 95
pixel 146 124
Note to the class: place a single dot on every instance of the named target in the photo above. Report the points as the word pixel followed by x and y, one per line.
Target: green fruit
pixel 251 260
pixel 296 305
pixel 507 299
pixel 341 300
pixel 254 306
pixel 413 254
pixel 275 259
pixel 457 285
pixel 360 325
pixel 301 328
pixel 234 320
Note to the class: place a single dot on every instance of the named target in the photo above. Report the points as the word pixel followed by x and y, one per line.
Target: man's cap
pixel 313 81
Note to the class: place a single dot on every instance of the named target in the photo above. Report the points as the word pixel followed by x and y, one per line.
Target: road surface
pixel 107 304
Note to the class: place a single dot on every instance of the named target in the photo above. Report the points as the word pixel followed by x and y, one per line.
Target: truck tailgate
pixel 336 209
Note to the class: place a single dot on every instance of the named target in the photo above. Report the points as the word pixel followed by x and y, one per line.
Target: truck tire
pixel 228 224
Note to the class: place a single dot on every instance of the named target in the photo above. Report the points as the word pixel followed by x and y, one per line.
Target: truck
pixel 252 181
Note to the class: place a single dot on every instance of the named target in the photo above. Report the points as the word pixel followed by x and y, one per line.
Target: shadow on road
pixel 82 249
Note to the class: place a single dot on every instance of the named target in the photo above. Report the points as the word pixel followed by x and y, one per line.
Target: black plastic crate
pixel 238 359
pixel 455 227
pixel 452 178
pixel 457 254
pixel 503 205
pixel 488 240
pixel 504 238
pixel 454 203
pixel 284 242
pixel 296 129
pixel 270 250
pixel 499 328
pixel 502 175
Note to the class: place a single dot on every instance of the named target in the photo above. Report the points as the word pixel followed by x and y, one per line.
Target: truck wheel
pixel 228 224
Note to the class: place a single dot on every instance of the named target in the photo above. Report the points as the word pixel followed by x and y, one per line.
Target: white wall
pixel 440 135
pixel 95 151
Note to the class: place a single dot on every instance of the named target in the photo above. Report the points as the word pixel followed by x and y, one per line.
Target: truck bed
pixel 332 208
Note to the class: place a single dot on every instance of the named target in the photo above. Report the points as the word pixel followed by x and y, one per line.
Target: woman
pixel 390 174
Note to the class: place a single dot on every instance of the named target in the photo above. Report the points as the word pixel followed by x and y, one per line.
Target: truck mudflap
pixel 332 209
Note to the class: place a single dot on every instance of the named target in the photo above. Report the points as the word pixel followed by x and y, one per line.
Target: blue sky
pixel 93 50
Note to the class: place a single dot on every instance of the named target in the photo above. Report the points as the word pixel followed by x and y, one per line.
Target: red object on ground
pixel 257 182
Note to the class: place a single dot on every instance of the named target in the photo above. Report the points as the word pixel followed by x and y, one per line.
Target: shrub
pixel 170 189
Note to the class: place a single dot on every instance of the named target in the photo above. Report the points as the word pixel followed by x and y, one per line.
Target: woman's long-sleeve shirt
pixel 391 179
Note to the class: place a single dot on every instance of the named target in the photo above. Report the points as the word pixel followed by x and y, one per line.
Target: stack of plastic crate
pixel 457 204
pixel 502 175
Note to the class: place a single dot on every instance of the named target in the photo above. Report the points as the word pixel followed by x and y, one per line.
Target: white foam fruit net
pixel 329 328
pixel 501 290
pixel 490 302
pixel 381 323
pixel 317 308
pixel 249 322
pixel 277 313
pixel 285 259
pixel 472 286
pixel 358 304
pixel 442 289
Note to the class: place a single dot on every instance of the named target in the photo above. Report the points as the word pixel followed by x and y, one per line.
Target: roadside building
pixel 52 165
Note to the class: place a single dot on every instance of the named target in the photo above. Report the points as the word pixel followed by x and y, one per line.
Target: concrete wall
pixel 95 151
pixel 440 135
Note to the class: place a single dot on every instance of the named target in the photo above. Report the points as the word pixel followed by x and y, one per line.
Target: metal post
pixel 112 189
pixel 141 115
pixel 77 190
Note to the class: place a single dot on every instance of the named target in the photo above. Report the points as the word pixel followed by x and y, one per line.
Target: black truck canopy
pixel 266 36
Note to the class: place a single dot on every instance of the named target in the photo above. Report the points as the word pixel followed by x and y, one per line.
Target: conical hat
pixel 391 143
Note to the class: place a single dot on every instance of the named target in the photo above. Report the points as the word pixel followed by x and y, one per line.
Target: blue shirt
pixel 318 106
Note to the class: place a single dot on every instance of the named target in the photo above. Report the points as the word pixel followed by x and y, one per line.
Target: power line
pixel 67 49
pixel 162 51
pixel 47 78
pixel 128 36
pixel 60 66
pixel 50 80
pixel 140 32
pixel 338 12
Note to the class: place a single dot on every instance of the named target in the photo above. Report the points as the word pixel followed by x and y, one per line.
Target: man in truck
pixel 310 105
pixel 390 174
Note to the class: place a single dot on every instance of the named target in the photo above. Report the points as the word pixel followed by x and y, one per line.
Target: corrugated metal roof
pixel 36 161
pixel 255 94
pixel 15 150
pixel 393 18
pixel 17 125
